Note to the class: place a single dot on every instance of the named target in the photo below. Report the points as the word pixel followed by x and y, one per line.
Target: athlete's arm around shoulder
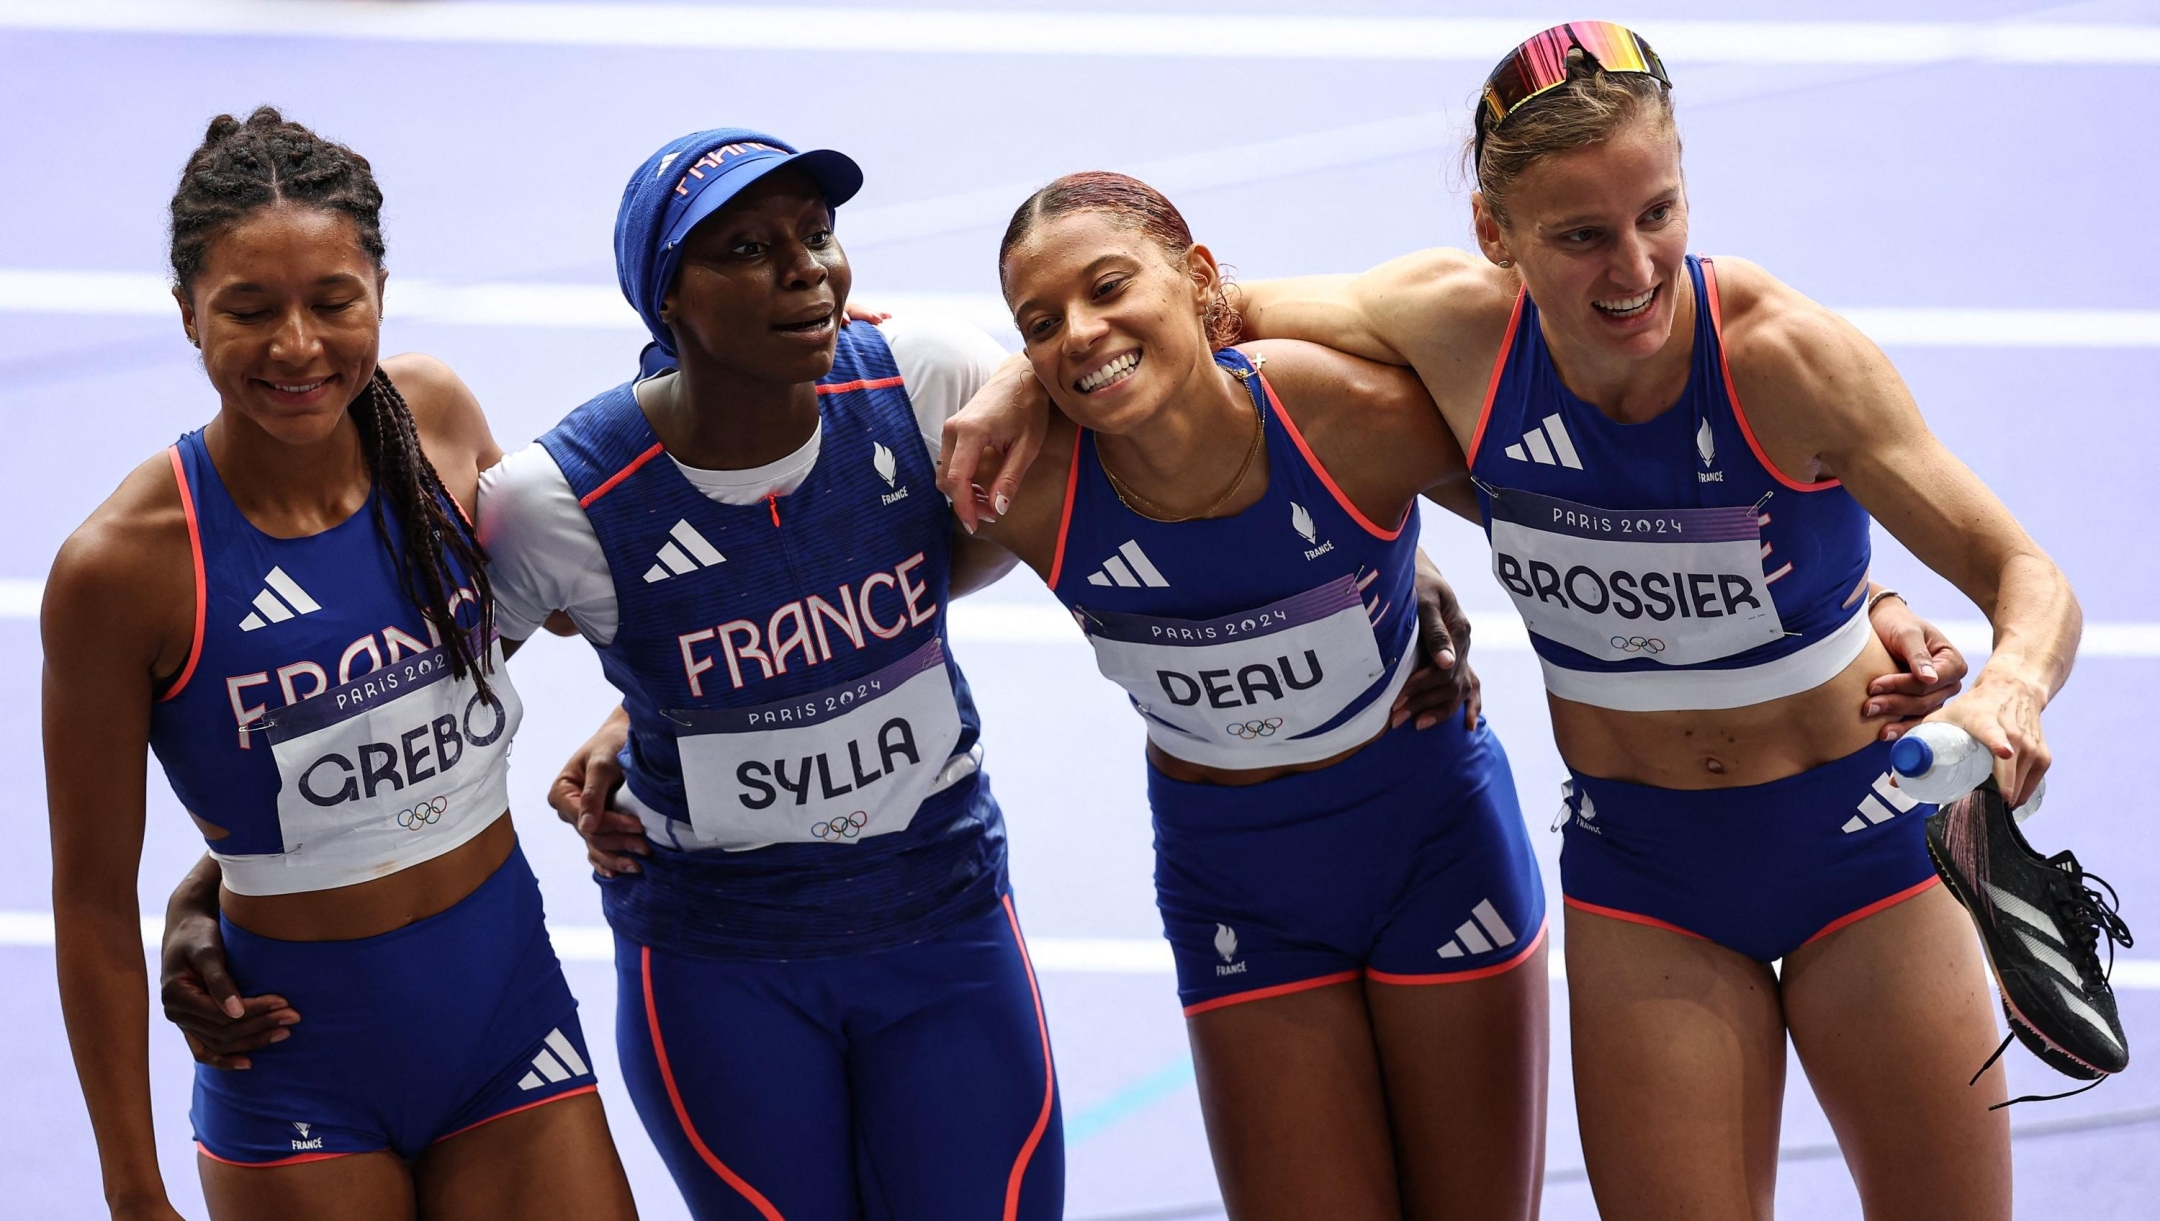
pixel 1824 402
pixel 1370 425
pixel 453 429
pixel 119 613
pixel 1443 312
pixel 943 362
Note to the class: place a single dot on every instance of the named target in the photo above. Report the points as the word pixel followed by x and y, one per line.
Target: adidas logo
pixel 270 609
pixel 1548 445
pixel 1482 932
pixel 1115 571
pixel 1872 808
pixel 687 553
pixel 563 1064
pixel 2070 988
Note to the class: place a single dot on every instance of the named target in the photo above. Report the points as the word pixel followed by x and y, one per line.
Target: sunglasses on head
pixel 1541 64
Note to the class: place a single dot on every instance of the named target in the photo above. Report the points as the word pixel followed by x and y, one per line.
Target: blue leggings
pixel 912 1084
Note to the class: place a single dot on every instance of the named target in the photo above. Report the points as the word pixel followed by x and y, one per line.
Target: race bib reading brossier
pixel 1678 586
pixel 834 767
pixel 1239 689
pixel 407 753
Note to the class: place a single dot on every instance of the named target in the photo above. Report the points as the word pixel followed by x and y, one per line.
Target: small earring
pixel 1505 262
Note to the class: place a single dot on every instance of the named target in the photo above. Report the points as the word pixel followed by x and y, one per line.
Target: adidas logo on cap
pixel 686 553
pixel 281 599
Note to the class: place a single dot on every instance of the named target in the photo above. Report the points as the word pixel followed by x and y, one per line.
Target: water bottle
pixel 1938 763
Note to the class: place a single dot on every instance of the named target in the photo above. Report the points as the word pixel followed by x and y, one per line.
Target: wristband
pixel 1879 595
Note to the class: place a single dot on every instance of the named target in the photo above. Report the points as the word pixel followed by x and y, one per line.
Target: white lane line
pixel 1064 955
pixel 601 306
pixel 988 621
pixel 595 943
pixel 1124 34
pixel 1207 169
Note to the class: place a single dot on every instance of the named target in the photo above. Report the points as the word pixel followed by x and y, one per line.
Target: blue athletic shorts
pixel 912 1083
pixel 1407 863
pixel 1762 869
pixel 404 1039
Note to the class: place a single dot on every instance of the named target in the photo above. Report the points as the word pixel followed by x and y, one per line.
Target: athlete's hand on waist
pixel 2003 712
pixel 582 795
pixel 1443 680
pixel 1933 667
pixel 1004 425
pixel 220 1025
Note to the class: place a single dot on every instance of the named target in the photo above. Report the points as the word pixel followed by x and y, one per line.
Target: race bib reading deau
pixel 1246 681
pixel 834 767
pixel 1678 586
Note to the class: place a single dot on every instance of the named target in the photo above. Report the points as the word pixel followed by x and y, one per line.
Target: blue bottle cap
pixel 1912 756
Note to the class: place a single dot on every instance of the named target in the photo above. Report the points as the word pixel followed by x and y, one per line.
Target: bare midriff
pixel 1237 777
pixel 1725 748
pixel 379 905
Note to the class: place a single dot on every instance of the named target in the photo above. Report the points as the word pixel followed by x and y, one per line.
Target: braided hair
pixel 246 166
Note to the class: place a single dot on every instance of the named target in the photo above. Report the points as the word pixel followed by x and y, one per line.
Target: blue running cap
pixel 682 184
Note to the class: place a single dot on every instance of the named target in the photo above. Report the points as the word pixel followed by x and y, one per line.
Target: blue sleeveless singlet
pixel 1664 564
pixel 1278 635
pixel 316 721
pixel 802 746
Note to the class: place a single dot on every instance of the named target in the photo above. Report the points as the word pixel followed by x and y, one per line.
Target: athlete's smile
pixel 1115 371
pixel 295 392
pixel 1629 305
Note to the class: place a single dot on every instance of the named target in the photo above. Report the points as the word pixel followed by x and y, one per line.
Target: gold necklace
pixel 1154 512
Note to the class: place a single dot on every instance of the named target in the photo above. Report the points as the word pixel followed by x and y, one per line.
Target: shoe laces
pixel 2004 1046
pixel 2087 914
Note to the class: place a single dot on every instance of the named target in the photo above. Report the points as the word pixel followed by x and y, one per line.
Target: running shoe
pixel 2040 921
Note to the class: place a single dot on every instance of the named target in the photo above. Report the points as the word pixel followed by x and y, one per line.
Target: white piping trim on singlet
pixel 301 871
pixel 1689 690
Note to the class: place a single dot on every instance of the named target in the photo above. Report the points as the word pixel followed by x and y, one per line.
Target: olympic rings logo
pixel 427 813
pixel 1249 730
pixel 841 828
pixel 1638 644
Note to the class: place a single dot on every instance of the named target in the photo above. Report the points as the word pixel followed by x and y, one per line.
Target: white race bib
pixel 1254 689
pixel 832 767
pixel 387 770
pixel 1677 586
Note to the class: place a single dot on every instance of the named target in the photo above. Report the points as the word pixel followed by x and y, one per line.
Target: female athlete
pixel 288 608
pixel 1242 565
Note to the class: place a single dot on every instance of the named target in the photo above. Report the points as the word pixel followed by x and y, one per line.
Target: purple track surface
pixel 1892 185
